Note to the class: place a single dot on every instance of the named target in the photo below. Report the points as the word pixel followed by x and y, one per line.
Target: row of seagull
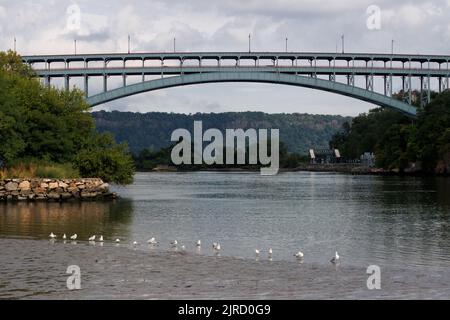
pixel 174 244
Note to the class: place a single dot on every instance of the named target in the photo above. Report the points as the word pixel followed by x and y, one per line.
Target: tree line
pixel 398 142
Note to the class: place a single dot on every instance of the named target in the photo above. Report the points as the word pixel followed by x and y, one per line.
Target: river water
pixel 396 222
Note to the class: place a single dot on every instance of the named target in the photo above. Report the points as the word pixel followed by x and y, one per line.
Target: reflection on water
pixel 38 219
pixel 402 221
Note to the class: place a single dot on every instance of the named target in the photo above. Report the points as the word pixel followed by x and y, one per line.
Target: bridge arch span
pixel 259 77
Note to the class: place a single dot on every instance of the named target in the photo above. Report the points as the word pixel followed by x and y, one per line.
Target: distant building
pixel 322 156
pixel 368 159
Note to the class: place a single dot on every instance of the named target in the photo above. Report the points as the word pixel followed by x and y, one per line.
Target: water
pixel 388 221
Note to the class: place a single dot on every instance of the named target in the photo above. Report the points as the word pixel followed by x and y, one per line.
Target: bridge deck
pixel 170 70
pixel 239 55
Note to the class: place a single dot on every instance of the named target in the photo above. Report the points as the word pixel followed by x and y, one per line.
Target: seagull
pixel 218 247
pixel 270 252
pixel 74 237
pixel 336 258
pixel 215 244
pixel 135 243
pixel 299 255
pixel 100 239
pixel 174 243
pixel 152 241
pixel 92 238
pixel 52 235
pixel 183 248
pixel 64 236
pixel 117 240
pixel 257 252
pixel 199 243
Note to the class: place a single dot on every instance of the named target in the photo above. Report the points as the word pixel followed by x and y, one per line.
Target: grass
pixel 39 170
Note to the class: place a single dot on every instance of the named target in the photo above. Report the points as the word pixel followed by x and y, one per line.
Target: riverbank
pixel 348 168
pixel 54 189
pixel 38 271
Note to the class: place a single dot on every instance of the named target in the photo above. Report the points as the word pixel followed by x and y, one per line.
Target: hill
pixel 153 130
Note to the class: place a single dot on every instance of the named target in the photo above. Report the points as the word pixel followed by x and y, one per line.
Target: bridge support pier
pixel 86 86
pixel 105 83
pixel 67 83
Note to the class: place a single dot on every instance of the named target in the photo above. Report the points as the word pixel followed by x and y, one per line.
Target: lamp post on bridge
pixel 343 43
pixel 286 44
pixel 15 44
pixel 249 43
pixel 75 46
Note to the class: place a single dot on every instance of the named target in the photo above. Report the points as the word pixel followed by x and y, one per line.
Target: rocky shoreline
pixel 54 189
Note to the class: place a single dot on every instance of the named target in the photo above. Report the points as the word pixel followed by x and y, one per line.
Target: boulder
pixel 25 185
pixel 11 186
pixel 63 185
pixel 53 196
pixel 66 195
pixel 104 187
pixel 53 185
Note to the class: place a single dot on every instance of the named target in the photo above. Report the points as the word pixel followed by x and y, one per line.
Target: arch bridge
pixel 365 76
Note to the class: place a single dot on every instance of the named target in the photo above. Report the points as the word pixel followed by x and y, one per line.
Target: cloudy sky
pixel 44 27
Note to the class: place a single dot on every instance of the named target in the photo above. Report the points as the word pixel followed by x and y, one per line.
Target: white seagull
pixel 74 237
pixel 92 238
pixel 336 258
pixel 117 240
pixel 64 236
pixel 183 248
pixel 174 243
pixel 199 243
pixel 52 235
pixel 270 252
pixel 100 239
pixel 257 252
pixel 299 255
pixel 135 243
pixel 152 241
pixel 218 247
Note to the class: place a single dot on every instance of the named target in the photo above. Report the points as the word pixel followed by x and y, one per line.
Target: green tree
pixel 103 157
pixel 38 124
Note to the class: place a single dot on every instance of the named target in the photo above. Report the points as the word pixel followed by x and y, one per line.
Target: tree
pixel 103 157
pixel 38 124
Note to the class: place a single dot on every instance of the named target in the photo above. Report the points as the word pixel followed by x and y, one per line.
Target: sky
pixel 49 27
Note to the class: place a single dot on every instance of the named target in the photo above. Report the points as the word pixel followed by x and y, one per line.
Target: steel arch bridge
pixel 332 72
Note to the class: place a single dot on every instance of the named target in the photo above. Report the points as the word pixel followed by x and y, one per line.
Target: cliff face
pixel 53 189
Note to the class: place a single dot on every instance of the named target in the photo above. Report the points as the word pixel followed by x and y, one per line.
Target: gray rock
pixel 11 186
